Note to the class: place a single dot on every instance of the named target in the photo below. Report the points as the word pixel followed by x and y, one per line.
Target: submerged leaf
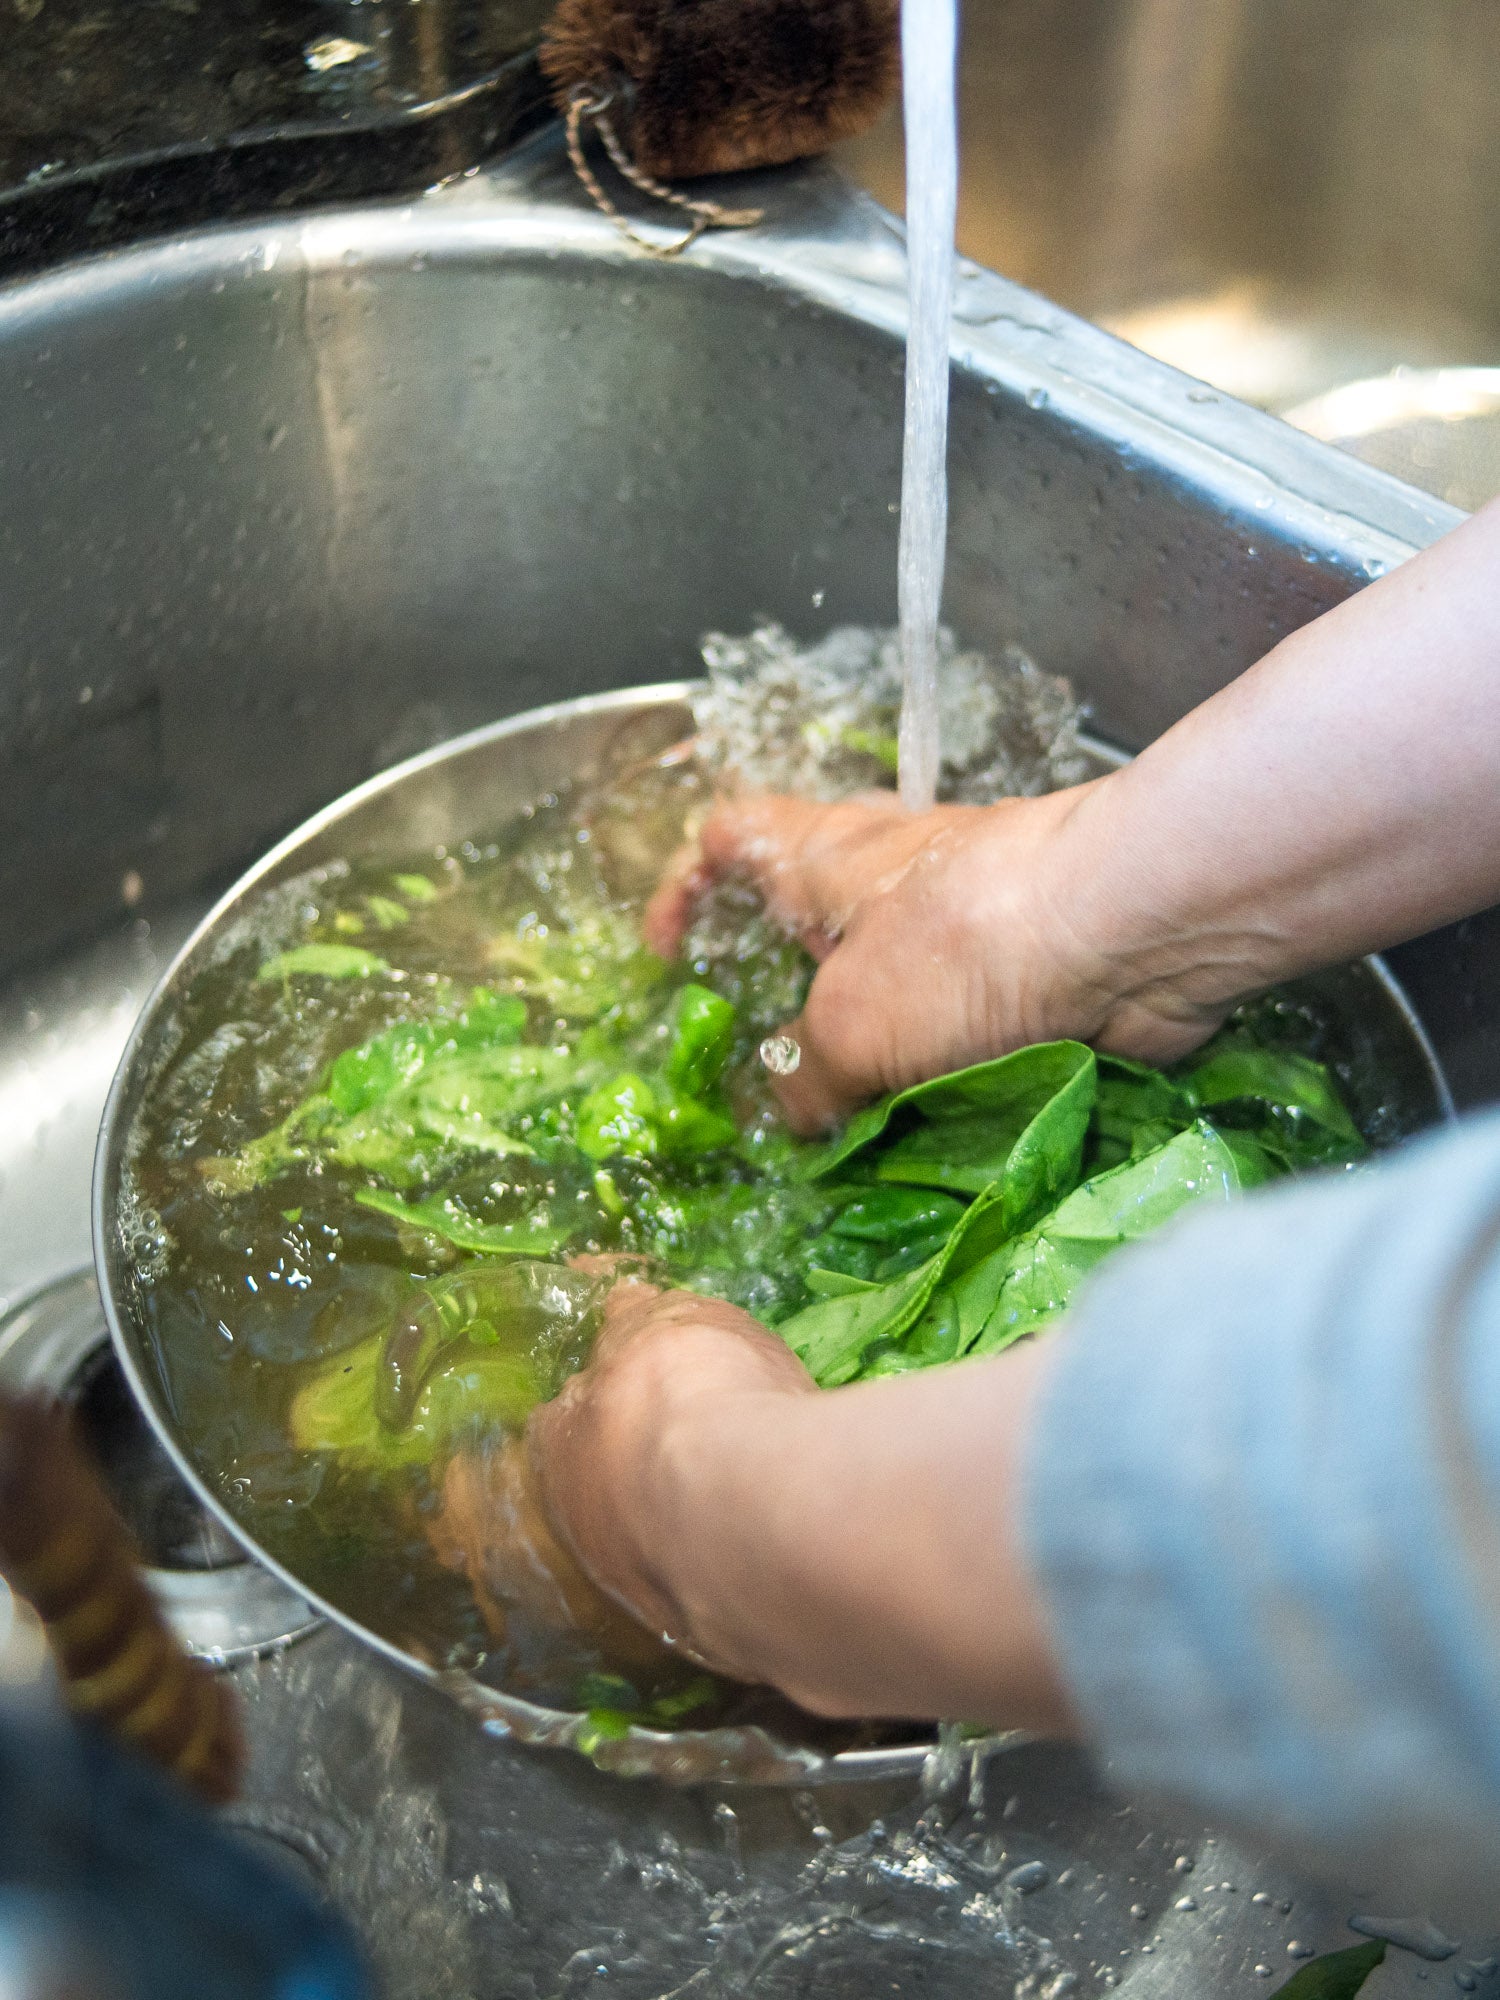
pixel 1338 1975
pixel 442 1216
pixel 324 961
pixel 335 1408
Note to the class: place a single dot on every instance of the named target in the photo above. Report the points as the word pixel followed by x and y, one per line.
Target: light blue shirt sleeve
pixel 1263 1501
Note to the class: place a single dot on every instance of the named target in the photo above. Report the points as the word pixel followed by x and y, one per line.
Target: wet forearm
pixel 1338 797
pixel 859 1550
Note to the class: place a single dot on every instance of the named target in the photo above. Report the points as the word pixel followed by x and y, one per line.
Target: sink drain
pixel 223 1606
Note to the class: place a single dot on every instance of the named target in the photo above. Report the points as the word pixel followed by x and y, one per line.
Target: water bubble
pixel 781 1055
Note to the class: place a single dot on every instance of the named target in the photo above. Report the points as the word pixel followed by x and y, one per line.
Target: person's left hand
pixel 604 1454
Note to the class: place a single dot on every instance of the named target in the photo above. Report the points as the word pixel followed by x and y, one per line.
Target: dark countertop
pixel 119 118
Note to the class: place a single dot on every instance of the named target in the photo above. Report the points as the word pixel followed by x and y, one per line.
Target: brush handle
pixel 65 1550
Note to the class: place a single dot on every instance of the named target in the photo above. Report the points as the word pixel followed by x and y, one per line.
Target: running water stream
pixel 929 30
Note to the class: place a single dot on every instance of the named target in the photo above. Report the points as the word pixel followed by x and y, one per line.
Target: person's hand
pixel 599 1452
pixel 943 938
pixel 857 1548
pixel 492 1528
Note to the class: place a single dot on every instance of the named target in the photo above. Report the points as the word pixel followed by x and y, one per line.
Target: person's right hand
pixel 943 938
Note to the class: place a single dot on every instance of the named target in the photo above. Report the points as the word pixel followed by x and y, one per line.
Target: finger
pixel 782 845
pixel 685 879
pixel 815 1097
pixel 627 1305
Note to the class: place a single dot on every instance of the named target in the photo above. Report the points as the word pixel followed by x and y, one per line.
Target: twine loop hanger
pixel 588 102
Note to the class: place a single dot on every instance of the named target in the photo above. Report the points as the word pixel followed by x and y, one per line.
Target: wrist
pixel 705 1516
pixel 1148 937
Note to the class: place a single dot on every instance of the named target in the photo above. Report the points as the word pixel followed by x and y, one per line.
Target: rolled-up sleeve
pixel 1263 1502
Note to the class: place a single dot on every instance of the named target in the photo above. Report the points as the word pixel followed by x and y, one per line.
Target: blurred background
pixel 1297 200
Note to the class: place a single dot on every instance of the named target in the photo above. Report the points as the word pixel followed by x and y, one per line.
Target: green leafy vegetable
pixel 1300 1114
pixel 629 1116
pixel 1338 1975
pixel 832 1336
pixel 1031 1280
pixel 703 1028
pixel 389 915
pixel 335 1408
pixel 323 961
pixel 416 888
pixel 1020 1120
pixel 443 1216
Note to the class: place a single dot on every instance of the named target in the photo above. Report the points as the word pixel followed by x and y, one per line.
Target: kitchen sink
pixel 283 503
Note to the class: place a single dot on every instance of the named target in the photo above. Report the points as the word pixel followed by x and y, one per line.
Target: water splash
pixel 929 31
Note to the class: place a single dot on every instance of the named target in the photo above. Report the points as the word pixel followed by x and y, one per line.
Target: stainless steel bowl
pixel 456 793
pixel 459 791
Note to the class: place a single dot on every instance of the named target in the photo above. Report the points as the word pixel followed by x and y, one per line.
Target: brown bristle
pixel 720 85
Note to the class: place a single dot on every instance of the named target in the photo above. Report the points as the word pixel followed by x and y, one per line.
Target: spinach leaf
pixel 703 1028
pixel 1338 1975
pixel 824 1283
pixel 832 1336
pixel 1302 1116
pixel 389 1061
pixel 334 1410
pixel 444 1217
pixel 323 961
pixel 638 1119
pixel 892 1215
pixel 416 888
pixel 1028 1282
pixel 1018 1124
pixel 1136 1109
pixel 983 1112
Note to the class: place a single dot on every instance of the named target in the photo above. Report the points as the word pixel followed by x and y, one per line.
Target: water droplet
pixel 1036 399
pixel 1028 1878
pixel 1186 1903
pixel 1297 1949
pixel 781 1055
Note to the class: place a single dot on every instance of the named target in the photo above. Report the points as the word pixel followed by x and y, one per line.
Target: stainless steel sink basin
pixel 1284 197
pixel 282 503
